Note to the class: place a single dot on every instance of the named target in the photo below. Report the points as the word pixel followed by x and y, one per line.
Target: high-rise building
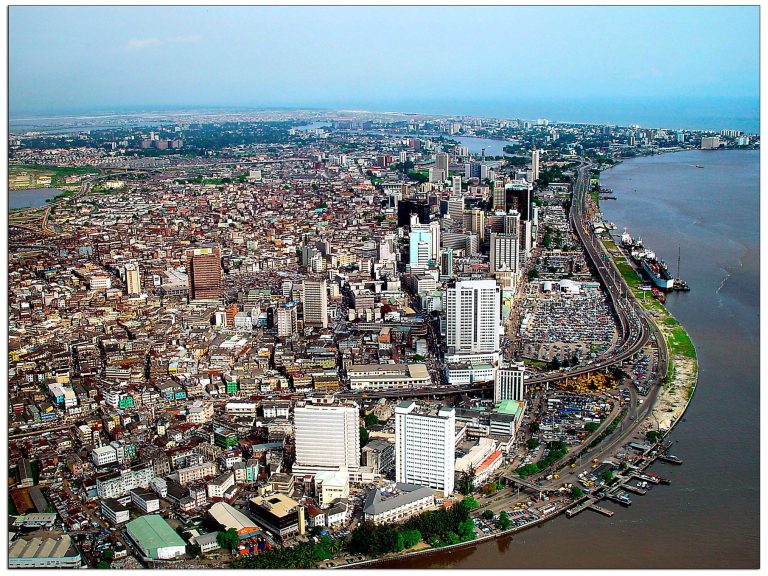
pixel 425 446
pixel 286 320
pixel 315 301
pixel 472 321
pixel 420 246
pixel 477 223
pixel 446 262
pixel 327 437
pixel 456 185
pixel 441 162
pixel 132 278
pixel 499 195
pixel 510 383
pixel 204 270
pixel 505 247
pixel 535 155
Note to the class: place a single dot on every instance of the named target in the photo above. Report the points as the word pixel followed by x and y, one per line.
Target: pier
pixel 601 510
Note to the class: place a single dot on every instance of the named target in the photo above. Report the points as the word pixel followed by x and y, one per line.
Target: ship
pixel 658 272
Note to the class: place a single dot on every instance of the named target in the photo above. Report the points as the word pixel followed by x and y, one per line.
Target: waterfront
pixel 30 197
pixel 709 516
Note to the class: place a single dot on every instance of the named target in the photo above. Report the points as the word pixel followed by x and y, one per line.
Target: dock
pixel 651 479
pixel 669 458
pixel 601 510
pixel 634 489
pixel 580 508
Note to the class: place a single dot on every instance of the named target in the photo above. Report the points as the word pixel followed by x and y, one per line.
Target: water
pixel 709 516
pixel 31 197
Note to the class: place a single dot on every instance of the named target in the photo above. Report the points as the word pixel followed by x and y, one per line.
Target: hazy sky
pixel 76 58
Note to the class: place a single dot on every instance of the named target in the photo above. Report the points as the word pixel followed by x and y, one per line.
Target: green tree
pixel 467 481
pixel 532 443
pixel 652 436
pixel 108 555
pixel 591 426
pixel 488 515
pixel 504 521
pixel 607 476
pixel 363 436
pixel 103 565
pixel 470 502
pixel 228 539
pixel 576 492
pixel 370 420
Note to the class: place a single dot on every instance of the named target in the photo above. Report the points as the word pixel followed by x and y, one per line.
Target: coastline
pixel 678 388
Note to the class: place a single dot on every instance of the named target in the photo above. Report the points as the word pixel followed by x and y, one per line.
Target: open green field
pixel 35 172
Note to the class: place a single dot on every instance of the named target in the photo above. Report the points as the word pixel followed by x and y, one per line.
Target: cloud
pixel 187 39
pixel 139 43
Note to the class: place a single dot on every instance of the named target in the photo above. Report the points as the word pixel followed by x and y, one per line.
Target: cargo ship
pixel 656 270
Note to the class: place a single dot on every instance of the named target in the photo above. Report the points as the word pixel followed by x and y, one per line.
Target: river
pixel 709 516
pixel 30 197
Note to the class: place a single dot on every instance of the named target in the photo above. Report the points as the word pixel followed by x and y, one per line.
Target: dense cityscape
pixel 309 338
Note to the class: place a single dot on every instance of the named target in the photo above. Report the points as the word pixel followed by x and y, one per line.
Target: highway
pixel 635 328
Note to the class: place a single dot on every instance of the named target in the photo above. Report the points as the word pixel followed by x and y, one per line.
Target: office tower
pixel 132 278
pixel 436 175
pixel 434 227
pixel 519 197
pixel 425 449
pixel 403 157
pixel 477 223
pixel 327 437
pixel 441 162
pixel 535 154
pixel 505 247
pixel 407 207
pixel 315 300
pixel 473 320
pixel 456 210
pixel 499 195
pixel 510 383
pixel 204 270
pixel 456 185
pixel 387 248
pixel 446 262
pixel 286 320
pixel 420 245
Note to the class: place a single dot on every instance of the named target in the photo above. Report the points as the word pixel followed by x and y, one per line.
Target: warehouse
pixel 155 538
pixel 43 553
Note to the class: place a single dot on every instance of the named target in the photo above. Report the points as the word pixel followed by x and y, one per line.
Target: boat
pixel 699 166
pixel 658 272
pixel 659 295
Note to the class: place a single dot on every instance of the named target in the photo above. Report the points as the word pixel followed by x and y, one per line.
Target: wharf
pixel 601 510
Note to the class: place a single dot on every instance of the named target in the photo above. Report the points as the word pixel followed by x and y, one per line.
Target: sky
pixel 93 58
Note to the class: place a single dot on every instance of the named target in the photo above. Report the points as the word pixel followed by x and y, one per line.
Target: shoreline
pixel 668 399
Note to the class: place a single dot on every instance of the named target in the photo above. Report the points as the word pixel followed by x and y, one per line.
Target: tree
pixel 363 436
pixel 607 476
pixel 467 481
pixel 103 565
pixel 370 420
pixel 532 443
pixel 193 549
pixel 652 436
pixel 576 492
pixel 504 522
pixel 534 427
pixel 591 426
pixel 108 555
pixel 470 502
pixel 228 539
pixel 533 274
pixel 488 515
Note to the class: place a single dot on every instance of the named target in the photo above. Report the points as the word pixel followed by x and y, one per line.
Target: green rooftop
pixel 509 407
pixel 153 532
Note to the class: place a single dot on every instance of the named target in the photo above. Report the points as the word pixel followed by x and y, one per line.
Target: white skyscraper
pixel 505 246
pixel 327 437
pixel 535 164
pixel 425 446
pixel 510 383
pixel 286 321
pixel 132 278
pixel 472 321
pixel 456 185
pixel 315 300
